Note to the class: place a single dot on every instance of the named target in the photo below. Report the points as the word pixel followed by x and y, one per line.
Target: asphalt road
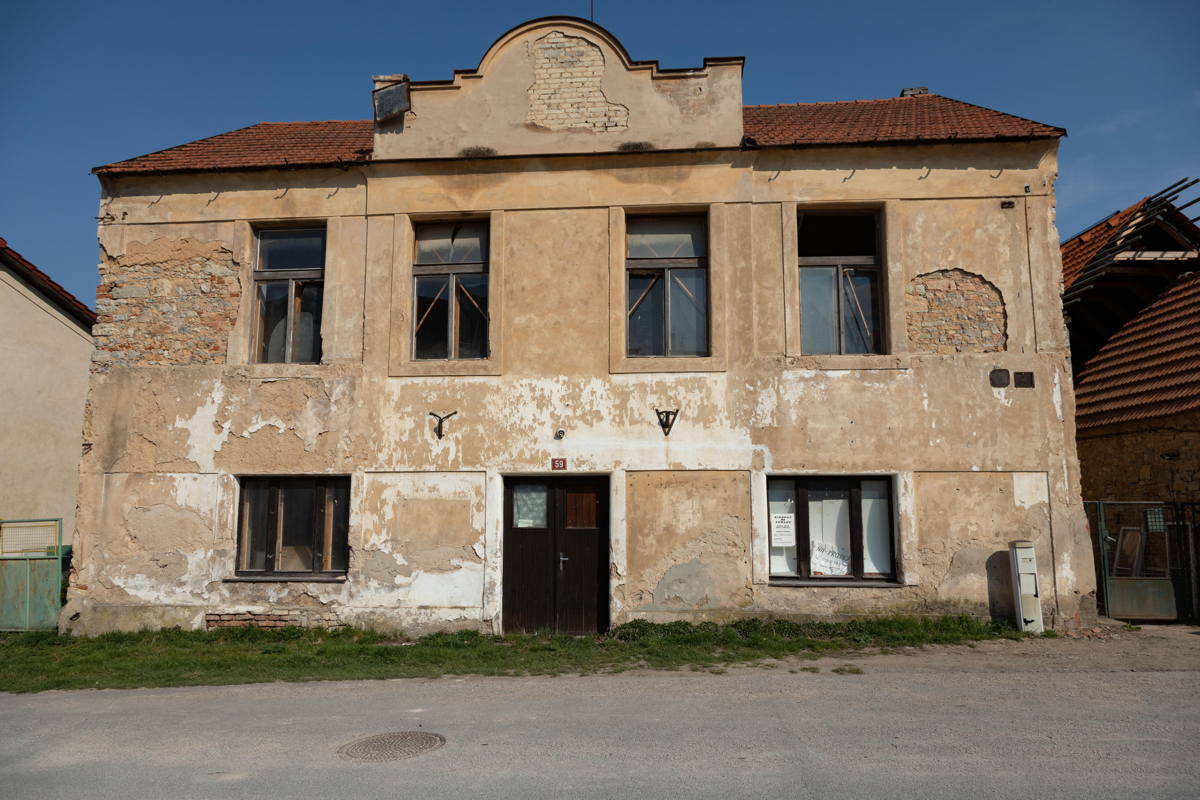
pixel 752 732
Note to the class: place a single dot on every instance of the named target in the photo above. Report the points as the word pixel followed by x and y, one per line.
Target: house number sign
pixel 558 463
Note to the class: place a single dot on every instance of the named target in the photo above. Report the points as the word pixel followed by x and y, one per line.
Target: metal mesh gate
pixel 30 573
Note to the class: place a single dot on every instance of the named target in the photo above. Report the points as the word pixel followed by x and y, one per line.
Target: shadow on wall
pixel 999 582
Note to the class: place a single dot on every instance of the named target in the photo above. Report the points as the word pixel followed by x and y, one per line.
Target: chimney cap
pixel 913 91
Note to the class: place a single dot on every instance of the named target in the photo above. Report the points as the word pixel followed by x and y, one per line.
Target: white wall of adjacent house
pixel 44 358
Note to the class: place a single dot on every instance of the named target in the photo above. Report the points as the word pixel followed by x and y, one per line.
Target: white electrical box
pixel 1027 595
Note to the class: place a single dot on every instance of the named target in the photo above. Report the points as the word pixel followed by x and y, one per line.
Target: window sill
pixel 285 579
pixel 413 368
pixel 866 361
pixel 835 584
pixel 639 364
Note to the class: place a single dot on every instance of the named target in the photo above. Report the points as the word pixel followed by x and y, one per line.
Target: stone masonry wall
pixel 566 89
pixel 166 302
pixel 1153 459
pixel 954 311
pixel 275 619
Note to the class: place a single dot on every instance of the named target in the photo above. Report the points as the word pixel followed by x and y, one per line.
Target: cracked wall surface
pixel 955 311
pixel 972 465
pixel 566 91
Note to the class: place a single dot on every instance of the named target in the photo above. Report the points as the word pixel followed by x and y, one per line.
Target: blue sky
pixel 83 84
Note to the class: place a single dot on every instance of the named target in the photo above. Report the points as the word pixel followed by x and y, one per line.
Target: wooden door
pixel 556 555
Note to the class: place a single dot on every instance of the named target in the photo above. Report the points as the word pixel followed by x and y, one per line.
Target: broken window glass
pixel 450 282
pixel 840 284
pixel 294 526
pixel 666 286
pixel 289 279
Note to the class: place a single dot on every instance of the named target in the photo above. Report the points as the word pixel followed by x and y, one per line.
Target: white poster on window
pixel 783 530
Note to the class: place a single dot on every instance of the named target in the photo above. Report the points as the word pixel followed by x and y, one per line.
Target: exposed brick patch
pixel 283 618
pixel 954 311
pixel 566 92
pixel 166 302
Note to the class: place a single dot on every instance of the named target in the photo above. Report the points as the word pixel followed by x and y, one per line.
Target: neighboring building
pixel 1132 293
pixel 571 339
pixel 45 349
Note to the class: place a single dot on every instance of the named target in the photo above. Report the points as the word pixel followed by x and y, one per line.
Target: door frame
pixel 613 555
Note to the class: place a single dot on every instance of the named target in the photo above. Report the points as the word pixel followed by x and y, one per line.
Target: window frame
pixel 665 266
pixel 292 277
pixel 873 265
pixel 801 485
pixel 321 534
pixel 451 270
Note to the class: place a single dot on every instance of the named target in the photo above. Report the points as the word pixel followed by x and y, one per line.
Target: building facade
pixel 572 339
pixel 45 347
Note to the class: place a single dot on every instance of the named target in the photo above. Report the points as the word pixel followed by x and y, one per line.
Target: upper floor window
pixel 841 276
pixel 666 267
pixel 289 286
pixel 450 290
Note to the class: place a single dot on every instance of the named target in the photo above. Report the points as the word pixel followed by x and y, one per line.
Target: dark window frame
pixel 451 271
pixel 846 267
pixel 801 485
pixel 293 278
pixel 663 267
pixel 321 534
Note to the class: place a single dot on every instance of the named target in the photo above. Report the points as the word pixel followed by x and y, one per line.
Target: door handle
pixel 562 559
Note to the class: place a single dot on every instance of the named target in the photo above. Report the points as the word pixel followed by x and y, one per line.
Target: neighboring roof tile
pixel 1082 248
pixel 1150 367
pixel 922 118
pixel 50 289
pixel 265 145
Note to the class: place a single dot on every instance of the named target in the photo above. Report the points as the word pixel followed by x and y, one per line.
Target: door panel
pixel 556 577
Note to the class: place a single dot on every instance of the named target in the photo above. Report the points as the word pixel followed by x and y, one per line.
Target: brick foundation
pixel 275 619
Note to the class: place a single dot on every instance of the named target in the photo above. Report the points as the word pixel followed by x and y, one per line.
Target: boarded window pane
pixel 836 235
pixel 646 310
pixel 829 531
pixel 432 337
pixel 877 529
pixel 452 243
pixel 582 506
pixel 666 237
pixel 781 505
pixel 689 312
pixel 860 320
pixel 296 541
pixel 292 249
pixel 306 323
pixel 818 310
pixel 472 309
pixel 338 548
pixel 272 322
pixel 256 532
pixel 530 506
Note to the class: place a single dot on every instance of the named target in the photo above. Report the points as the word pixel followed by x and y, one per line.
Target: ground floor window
pixel 831 528
pixel 294 527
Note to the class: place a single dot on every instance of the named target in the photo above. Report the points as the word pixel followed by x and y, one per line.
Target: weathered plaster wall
pixel 426 518
pixel 45 357
pixel 557 86
pixel 1154 459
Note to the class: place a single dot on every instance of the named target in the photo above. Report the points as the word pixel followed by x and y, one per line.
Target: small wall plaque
pixel 558 463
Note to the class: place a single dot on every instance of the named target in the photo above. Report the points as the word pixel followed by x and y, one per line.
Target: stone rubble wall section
pixel 166 303
pixel 955 311
pixel 566 92
pixel 277 619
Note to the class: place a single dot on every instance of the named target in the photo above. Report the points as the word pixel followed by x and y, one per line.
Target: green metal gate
pixel 30 573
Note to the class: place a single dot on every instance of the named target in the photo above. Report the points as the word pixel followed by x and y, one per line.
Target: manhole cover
pixel 391 746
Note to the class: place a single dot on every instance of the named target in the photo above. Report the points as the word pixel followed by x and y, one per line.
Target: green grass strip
pixel 34 662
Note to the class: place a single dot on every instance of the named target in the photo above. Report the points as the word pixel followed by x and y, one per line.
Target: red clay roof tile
pixel 922 118
pixel 1150 367
pixel 56 294
pixel 1082 248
